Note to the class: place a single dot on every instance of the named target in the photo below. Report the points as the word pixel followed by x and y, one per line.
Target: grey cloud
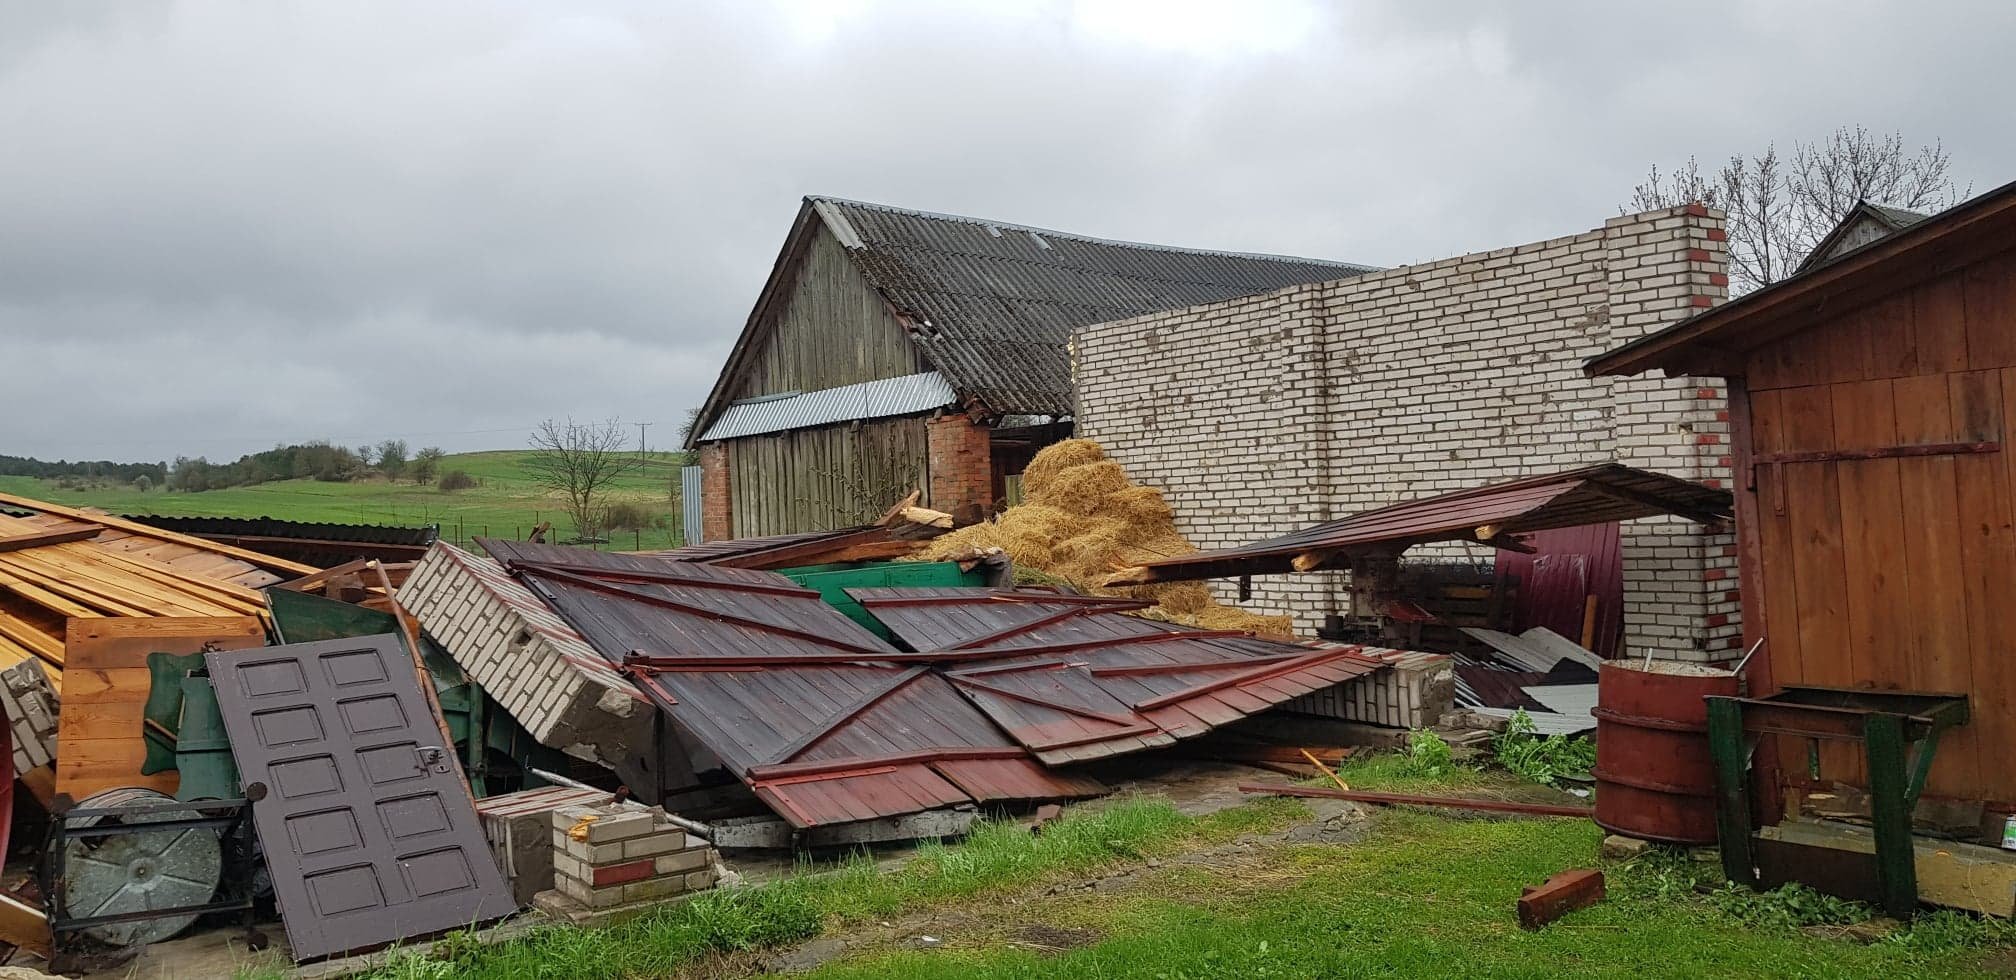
pixel 228 225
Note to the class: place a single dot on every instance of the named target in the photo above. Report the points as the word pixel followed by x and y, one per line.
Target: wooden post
pixel 1890 813
pixel 1589 622
pixel 1732 789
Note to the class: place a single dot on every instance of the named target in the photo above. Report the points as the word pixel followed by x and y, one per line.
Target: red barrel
pixel 1655 779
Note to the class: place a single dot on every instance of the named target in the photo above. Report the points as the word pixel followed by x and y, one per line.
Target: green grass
pixel 1424 896
pixel 506 504
pixel 995 856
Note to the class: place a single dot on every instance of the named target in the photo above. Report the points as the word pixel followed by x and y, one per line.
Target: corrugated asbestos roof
pixel 907 395
pixel 995 303
pixel 1590 495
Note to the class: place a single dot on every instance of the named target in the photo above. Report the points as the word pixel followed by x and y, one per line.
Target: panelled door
pixel 367 829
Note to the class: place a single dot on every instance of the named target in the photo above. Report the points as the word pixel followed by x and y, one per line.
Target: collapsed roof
pixel 982 692
pixel 1494 515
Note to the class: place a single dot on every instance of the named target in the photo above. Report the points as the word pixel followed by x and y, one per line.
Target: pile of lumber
pixel 58 564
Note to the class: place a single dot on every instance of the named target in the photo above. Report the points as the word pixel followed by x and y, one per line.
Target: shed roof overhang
pixel 1494 515
pixel 1716 343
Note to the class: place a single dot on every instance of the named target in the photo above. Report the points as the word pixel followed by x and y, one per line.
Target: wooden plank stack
pixel 59 564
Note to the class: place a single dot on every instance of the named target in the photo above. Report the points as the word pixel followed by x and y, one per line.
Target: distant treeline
pixel 97 469
pixel 318 460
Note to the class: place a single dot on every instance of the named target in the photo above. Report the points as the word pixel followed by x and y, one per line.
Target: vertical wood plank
pixel 1937 613
pixel 1988 289
pixel 1873 538
pixel 1890 346
pixel 1820 588
pixel 1982 485
pixel 1939 322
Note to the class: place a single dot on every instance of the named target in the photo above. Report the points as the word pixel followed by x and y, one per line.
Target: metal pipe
pixel 1361 796
pixel 693 827
pixel 1746 657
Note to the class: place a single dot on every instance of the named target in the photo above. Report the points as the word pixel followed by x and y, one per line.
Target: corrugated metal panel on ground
pixel 1589 495
pixel 1538 649
pixel 881 398
pixel 797 701
pixel 1074 678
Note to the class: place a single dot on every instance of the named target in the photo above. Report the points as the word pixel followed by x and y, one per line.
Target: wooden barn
pixel 893 350
pixel 1872 406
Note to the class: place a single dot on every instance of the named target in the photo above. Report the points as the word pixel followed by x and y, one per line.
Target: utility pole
pixel 641 426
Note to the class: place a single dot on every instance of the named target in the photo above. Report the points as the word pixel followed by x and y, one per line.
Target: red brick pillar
pixel 717 505
pixel 962 467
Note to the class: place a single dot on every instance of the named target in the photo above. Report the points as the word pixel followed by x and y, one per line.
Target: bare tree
pixel 1780 208
pixel 580 461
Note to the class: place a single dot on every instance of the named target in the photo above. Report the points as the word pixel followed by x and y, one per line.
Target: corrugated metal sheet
pixel 692 505
pixel 803 705
pixel 994 303
pixel 1074 678
pixel 1574 700
pixel 1589 495
pixel 883 398
pixel 1545 722
pixel 272 527
pixel 1538 649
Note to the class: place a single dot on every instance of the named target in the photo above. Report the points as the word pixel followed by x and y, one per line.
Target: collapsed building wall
pixel 1262 415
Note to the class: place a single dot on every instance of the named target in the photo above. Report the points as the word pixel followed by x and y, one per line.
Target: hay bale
pixel 1081 519
pixel 1058 456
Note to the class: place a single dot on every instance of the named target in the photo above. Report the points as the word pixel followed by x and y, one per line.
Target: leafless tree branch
pixel 580 461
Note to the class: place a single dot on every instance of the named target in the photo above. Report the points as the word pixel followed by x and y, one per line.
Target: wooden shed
pixel 1871 404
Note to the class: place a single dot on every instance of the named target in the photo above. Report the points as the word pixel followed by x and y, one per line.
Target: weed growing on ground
pixel 1790 906
pixel 1543 760
pixel 1428 755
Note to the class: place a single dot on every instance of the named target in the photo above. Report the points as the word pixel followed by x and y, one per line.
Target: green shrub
pixel 1788 907
pixel 1428 755
pixel 454 480
pixel 625 515
pixel 1520 749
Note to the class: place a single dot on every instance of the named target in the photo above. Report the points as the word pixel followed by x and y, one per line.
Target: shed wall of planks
pixel 831 329
pixel 831 477
pixel 1895 572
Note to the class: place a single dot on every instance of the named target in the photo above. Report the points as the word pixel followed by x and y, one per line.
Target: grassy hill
pixel 506 503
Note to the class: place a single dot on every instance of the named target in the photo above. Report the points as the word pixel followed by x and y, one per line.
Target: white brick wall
pixel 1262 415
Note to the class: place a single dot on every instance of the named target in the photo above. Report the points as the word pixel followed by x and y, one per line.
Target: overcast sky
pixel 229 225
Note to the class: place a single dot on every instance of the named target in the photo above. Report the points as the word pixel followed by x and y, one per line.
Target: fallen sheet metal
pixel 369 833
pixel 824 721
pixel 1073 678
pixel 1538 649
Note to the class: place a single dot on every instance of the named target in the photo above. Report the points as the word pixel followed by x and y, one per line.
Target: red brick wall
pixel 962 467
pixel 717 506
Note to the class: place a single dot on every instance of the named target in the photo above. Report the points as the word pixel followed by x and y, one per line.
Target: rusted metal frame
pixel 852 763
pixel 1069 612
pixel 1268 672
pixel 1136 670
pixel 1014 668
pixel 1145 728
pixel 1002 595
pixel 597 585
pixel 1405 799
pixel 614 575
pixel 1819 721
pixel 1066 646
pixel 1648 500
pixel 1111 719
pixel 1885 452
pixel 646 661
pixel 818 777
pixel 846 715
pixel 788 553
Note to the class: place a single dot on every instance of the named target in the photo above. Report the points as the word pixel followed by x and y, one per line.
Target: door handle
pixel 432 757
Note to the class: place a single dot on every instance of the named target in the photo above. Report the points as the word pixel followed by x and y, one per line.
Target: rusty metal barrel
pixel 1655 779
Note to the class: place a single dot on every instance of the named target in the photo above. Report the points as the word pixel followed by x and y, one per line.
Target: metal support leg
pixel 1730 751
pixel 1890 811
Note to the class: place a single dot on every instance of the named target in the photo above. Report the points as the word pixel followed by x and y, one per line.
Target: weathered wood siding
pixel 830 329
pixel 825 478
pixel 1895 572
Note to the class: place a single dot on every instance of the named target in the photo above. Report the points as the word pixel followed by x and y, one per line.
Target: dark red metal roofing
pixel 816 714
pixel 1073 678
pixel 778 550
pixel 1589 495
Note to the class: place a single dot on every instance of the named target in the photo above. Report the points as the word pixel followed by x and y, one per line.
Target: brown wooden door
pixel 367 829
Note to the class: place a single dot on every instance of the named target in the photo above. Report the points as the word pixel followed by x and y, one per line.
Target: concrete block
pixel 682 861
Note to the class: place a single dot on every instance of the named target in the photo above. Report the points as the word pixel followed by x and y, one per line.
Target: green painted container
pixel 833 581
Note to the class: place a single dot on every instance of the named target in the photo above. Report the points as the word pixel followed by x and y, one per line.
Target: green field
pixel 506 503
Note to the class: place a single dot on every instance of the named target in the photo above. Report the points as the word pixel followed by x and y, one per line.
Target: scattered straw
pixel 1082 519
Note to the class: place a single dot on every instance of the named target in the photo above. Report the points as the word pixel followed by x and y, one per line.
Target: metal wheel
pixel 141 870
